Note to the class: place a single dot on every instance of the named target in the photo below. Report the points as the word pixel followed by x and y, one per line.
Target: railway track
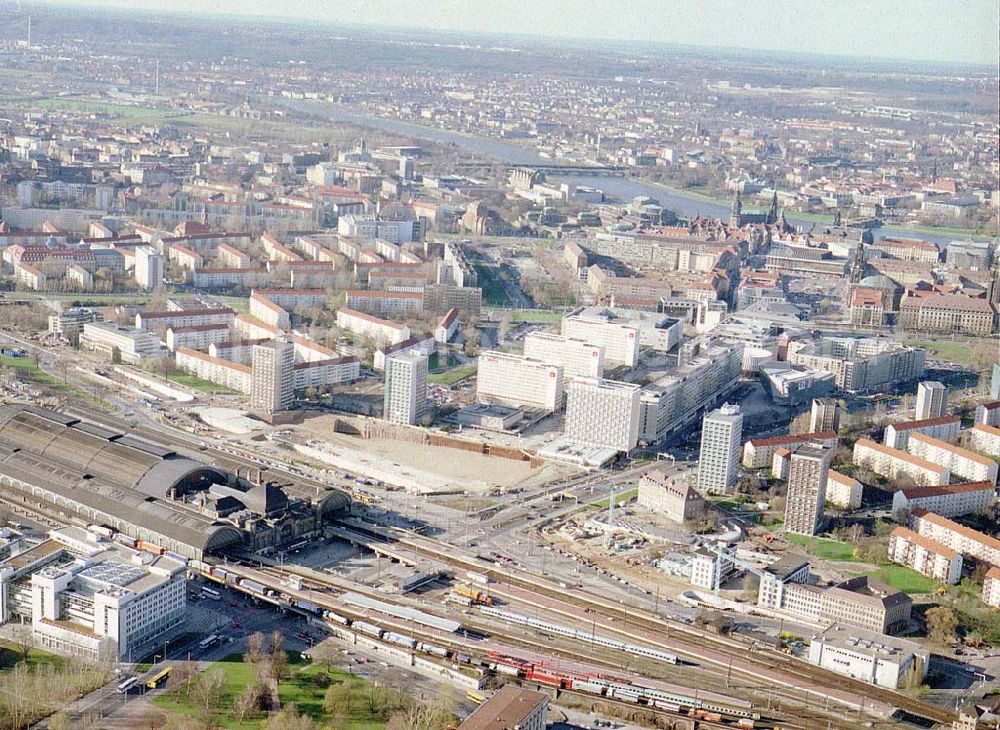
pixel 639 619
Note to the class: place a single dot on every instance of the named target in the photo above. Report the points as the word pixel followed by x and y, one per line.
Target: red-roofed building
pixel 758 453
pixel 925 556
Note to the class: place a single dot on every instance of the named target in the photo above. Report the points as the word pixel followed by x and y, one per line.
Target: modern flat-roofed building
pixel 948 501
pixel 824 415
pixel 958 537
pixel 619 338
pixel 925 556
pixel 88 596
pixel 405 388
pixel 710 568
pixel 719 459
pixel 891 463
pixel 511 708
pixel 960 462
pixel 603 413
pixel 945 428
pixel 576 358
pixel 870 656
pixel 515 380
pixel 131 345
pixel 808 472
pixel 149 268
pixel 272 377
pixel 759 453
pixel 843 491
pixel 985 439
pixel 932 400
pixel 69 322
pixel 991 587
pixel 859 364
pixel 677 500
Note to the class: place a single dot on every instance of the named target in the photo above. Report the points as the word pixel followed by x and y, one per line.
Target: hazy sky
pixel 938 30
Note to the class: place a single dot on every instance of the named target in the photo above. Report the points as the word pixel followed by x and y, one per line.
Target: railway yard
pixel 484 618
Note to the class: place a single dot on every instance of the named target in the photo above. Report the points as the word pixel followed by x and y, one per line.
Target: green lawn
pixel 305 686
pixel 825 549
pixel 31 373
pixel 959 352
pixel 199 384
pixel 455 375
pixel 904 579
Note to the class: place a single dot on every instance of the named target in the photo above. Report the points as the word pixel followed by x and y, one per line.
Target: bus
pixel 475 697
pixel 211 593
pixel 208 642
pixel 127 685
pixel 154 681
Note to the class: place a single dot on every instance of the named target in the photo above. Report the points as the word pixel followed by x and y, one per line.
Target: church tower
pixel 736 212
pixel 772 213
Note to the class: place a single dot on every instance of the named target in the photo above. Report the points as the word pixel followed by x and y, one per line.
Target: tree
pixel 289 719
pixel 207 692
pixel 325 653
pixel 278 657
pixel 339 696
pixel 255 648
pixel 24 641
pixel 248 701
pixel 941 625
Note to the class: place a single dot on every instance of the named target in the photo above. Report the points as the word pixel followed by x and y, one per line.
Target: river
pixel 618 187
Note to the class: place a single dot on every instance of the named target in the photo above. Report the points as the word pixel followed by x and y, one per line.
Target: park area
pixel 261 690
pixel 219 695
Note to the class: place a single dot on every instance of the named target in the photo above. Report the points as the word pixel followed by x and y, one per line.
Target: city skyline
pixel 963 32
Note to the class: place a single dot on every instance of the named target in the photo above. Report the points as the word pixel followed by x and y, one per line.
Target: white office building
pixel 721 434
pixel 603 413
pixel 619 338
pixel 149 267
pixel 885 661
pixel 272 370
pixel 84 595
pixel 932 400
pixel 575 357
pixel 515 380
pixel 405 398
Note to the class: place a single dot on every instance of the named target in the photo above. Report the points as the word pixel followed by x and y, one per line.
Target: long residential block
pixel 959 538
pixel 945 428
pixel 949 501
pixel 961 462
pixel 893 463
pixel 927 557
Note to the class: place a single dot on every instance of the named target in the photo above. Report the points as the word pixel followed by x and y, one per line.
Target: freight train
pixel 706 705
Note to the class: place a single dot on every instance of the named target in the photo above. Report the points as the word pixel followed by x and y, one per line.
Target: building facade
pixel 808 472
pixel 603 413
pixel 719 459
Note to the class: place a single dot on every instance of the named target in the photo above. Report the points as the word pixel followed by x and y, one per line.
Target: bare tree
pixel 207 691
pixel 289 719
pixel 248 701
pixel 278 656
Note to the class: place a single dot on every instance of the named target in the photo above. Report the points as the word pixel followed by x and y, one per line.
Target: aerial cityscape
pixel 493 367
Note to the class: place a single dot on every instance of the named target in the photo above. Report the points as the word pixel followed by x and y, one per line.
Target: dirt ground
pixel 433 468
